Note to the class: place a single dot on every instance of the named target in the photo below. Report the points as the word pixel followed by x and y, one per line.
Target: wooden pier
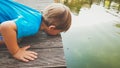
pixel 49 48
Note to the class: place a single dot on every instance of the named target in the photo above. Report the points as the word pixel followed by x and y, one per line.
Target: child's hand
pixel 24 55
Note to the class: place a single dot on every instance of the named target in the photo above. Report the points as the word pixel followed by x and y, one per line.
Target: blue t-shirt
pixel 27 20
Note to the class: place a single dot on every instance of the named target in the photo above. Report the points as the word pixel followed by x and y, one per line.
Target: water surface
pixel 93 41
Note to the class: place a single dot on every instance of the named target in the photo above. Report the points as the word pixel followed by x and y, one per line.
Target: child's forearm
pixel 8 31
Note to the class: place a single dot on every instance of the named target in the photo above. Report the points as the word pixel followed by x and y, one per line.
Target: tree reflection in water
pixel 75 5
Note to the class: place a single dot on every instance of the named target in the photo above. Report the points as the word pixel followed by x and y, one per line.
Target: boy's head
pixel 57 15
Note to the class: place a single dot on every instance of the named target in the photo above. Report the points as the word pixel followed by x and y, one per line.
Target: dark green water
pixel 93 41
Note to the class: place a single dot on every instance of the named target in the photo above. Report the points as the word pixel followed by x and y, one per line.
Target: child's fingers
pixel 32 52
pixel 33 56
pixel 29 57
pixel 24 59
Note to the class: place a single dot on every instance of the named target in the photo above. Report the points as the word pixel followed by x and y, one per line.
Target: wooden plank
pixel 41 40
pixel 49 49
pixel 52 57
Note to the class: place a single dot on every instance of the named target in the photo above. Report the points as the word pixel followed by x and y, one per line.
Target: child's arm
pixel 8 30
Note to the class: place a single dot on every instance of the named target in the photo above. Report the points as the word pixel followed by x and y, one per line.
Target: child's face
pixel 53 32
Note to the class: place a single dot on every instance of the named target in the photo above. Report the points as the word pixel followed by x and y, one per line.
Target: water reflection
pixel 93 40
pixel 117 25
pixel 75 5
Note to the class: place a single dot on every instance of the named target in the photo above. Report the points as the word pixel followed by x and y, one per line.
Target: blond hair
pixel 59 15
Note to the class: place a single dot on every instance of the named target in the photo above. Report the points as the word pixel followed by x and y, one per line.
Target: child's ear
pixel 52 27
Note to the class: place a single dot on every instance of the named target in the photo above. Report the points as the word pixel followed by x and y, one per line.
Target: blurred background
pixel 76 5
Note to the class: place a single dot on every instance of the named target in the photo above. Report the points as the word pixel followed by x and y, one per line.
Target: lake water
pixel 93 41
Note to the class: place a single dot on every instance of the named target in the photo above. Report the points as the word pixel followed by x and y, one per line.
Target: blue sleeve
pixel 26 28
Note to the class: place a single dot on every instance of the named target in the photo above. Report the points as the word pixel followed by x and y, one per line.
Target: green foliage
pixel 117 1
pixel 107 3
pixel 75 5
